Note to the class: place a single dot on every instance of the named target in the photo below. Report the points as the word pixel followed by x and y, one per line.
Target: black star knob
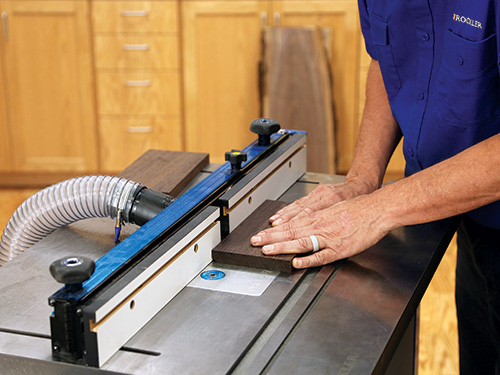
pixel 72 271
pixel 236 157
pixel 264 127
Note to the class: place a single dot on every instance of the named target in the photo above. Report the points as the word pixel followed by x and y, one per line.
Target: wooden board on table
pixel 296 89
pixel 236 248
pixel 166 171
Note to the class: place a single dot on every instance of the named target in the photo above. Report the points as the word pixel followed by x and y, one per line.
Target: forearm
pixel 462 183
pixel 378 136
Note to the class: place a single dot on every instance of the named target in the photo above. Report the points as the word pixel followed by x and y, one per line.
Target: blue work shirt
pixel 439 62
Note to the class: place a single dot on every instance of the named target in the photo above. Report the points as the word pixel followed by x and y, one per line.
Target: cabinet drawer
pixel 136 51
pixel 134 16
pixel 138 93
pixel 124 139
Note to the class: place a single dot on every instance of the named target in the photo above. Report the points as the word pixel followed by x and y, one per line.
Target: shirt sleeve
pixel 365 29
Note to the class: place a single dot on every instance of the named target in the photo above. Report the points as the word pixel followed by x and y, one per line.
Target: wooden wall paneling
pixel 236 249
pixel 221 51
pixel 297 89
pixel 342 18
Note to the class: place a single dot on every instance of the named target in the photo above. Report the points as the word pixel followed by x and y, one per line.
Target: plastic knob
pixel 72 271
pixel 264 127
pixel 236 157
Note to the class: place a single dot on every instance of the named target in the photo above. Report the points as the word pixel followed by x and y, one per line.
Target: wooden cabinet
pixel 89 85
pixel 341 18
pixel 221 52
pixel 138 80
pixel 48 86
pixel 5 164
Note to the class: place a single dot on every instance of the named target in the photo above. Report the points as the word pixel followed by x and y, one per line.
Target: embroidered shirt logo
pixel 467 20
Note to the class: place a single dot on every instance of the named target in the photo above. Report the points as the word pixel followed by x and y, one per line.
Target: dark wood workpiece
pixel 236 249
pixel 166 171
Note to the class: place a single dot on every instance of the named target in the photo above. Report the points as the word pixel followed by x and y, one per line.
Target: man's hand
pixel 322 197
pixel 342 230
pixel 342 216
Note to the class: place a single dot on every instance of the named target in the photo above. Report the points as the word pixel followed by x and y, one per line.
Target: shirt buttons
pixel 420 96
pixel 460 60
pixel 425 37
pixel 410 152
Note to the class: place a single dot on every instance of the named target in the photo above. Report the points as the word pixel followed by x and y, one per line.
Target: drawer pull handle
pixel 136 47
pixel 134 13
pixel 144 83
pixel 140 129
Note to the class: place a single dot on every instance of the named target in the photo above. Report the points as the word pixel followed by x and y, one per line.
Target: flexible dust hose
pixel 76 199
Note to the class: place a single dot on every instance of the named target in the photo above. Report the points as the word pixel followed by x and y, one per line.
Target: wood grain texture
pixel 40 180
pixel 236 249
pixel 221 50
pixel 160 93
pixel 50 86
pixel 10 199
pixel 5 158
pixel 342 17
pixel 143 51
pixel 136 134
pixel 166 171
pixel 438 334
pixel 159 16
pixel 297 89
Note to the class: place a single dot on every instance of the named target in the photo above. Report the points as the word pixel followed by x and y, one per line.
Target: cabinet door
pixel 348 63
pixel 221 51
pixel 341 19
pixel 5 165
pixel 50 86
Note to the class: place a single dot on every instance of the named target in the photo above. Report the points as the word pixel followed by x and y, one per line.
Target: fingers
pixel 300 245
pixel 286 214
pixel 288 232
pixel 320 198
pixel 302 207
pixel 342 230
pixel 316 259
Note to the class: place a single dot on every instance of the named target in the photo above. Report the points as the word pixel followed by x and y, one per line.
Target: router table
pixel 355 316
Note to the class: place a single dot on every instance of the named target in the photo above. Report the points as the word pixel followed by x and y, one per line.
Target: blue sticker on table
pixel 212 275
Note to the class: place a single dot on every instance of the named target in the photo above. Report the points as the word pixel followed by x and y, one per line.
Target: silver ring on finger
pixel 315 242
